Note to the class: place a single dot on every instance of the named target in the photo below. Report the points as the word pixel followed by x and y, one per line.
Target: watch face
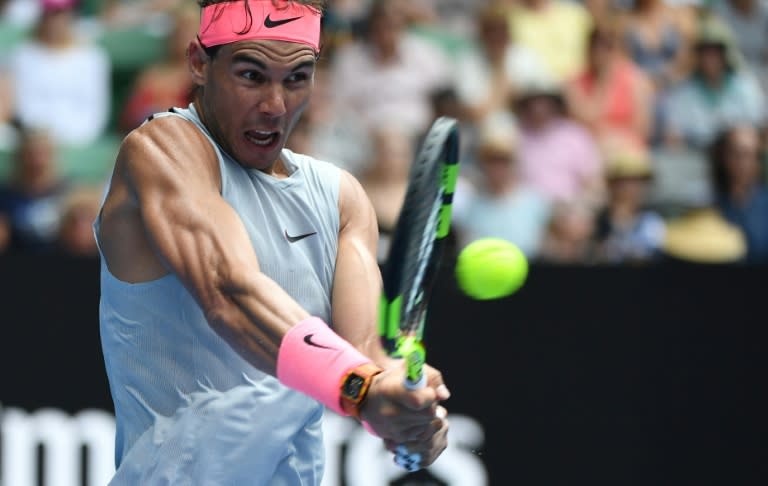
pixel 353 386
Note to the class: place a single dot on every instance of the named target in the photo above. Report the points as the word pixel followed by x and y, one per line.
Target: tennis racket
pixel 417 245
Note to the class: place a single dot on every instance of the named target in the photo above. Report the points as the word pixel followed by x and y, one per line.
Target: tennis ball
pixel 491 268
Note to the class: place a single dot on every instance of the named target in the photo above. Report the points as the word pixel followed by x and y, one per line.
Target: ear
pixel 198 61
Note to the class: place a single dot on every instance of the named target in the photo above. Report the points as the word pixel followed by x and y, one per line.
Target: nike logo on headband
pixel 271 24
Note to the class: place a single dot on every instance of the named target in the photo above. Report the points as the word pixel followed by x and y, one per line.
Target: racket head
pixel 418 239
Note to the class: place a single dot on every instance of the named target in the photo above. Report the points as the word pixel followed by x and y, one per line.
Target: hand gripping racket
pixel 416 249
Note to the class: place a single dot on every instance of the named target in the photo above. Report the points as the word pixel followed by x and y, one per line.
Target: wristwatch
pixel 354 387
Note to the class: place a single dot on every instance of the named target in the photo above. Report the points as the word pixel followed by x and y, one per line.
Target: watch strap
pixel 354 387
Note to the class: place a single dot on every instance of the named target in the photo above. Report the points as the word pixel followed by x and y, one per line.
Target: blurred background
pixel 621 144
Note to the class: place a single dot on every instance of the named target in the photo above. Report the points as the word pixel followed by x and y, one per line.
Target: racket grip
pixel 412 350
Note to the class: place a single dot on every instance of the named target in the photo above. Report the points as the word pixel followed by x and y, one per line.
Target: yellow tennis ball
pixel 491 268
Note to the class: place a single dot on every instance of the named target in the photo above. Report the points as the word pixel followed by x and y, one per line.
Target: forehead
pixel 272 53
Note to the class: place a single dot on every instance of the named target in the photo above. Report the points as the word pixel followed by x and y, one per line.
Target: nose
pixel 272 103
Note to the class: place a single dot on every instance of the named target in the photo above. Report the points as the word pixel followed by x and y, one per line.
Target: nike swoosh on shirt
pixel 308 340
pixel 294 239
pixel 271 24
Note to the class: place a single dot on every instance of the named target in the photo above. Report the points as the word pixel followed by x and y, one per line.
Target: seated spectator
pixel 657 36
pixel 496 203
pixel 748 20
pixel 558 156
pixel 166 83
pixel 555 30
pixel 568 238
pixel 386 177
pixel 388 76
pixel 79 210
pixel 31 199
pixel 719 92
pixel 128 14
pixel 330 132
pixel 740 187
pixel 611 96
pixel 61 83
pixel 627 231
pixel 487 74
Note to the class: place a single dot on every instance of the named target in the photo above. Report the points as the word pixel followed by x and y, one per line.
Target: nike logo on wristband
pixel 271 24
pixel 294 239
pixel 308 340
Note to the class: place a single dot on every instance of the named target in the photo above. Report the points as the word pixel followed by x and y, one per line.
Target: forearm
pixel 253 316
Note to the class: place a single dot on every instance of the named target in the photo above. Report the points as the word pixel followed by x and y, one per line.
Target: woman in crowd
pixel 740 188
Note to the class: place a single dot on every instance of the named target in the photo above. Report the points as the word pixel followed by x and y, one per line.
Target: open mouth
pixel 262 139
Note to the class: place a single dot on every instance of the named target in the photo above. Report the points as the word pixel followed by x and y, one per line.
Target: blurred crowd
pixel 593 132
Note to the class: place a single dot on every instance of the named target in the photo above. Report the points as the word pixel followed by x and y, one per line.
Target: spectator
pixel 556 30
pixel 31 199
pixel 719 92
pixel 748 20
pixel 488 73
pixel 568 239
pixel 166 83
pixel 129 14
pixel 79 210
pixel 331 132
pixel 740 188
pixel 611 96
pixel 626 230
pixel 61 82
pixel 558 156
pixel 386 177
pixel 496 203
pixel 657 36
pixel 388 76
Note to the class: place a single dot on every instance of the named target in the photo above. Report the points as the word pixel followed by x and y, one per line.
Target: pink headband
pixel 224 23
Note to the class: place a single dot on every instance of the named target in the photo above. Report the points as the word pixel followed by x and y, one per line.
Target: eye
pixel 254 76
pixel 297 78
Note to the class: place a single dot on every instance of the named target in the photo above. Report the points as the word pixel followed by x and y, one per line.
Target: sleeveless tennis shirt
pixel 189 410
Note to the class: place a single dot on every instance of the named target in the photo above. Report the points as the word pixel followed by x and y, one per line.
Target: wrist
pixel 321 364
pixel 355 387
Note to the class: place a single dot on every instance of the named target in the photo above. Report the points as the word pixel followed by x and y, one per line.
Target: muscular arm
pixel 173 180
pixel 357 281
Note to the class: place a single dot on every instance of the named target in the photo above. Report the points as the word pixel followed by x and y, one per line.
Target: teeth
pixel 268 137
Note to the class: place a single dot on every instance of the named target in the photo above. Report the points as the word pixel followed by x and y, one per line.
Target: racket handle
pixel 412 350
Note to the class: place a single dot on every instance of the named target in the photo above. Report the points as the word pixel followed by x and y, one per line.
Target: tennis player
pixel 239 284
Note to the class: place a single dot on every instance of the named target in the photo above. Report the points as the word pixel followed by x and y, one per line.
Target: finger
pixel 435 380
pixel 441 412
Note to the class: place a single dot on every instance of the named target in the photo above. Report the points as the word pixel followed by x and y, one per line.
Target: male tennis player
pixel 239 279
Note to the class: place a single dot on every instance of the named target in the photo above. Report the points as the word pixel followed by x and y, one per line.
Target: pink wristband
pixel 314 360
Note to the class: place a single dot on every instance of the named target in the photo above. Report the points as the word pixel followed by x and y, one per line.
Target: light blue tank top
pixel 189 410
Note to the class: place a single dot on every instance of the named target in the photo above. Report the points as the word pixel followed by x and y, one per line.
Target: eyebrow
pixel 242 57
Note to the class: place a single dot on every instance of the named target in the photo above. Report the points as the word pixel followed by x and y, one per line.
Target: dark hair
pixel 316 4
pixel 718 153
